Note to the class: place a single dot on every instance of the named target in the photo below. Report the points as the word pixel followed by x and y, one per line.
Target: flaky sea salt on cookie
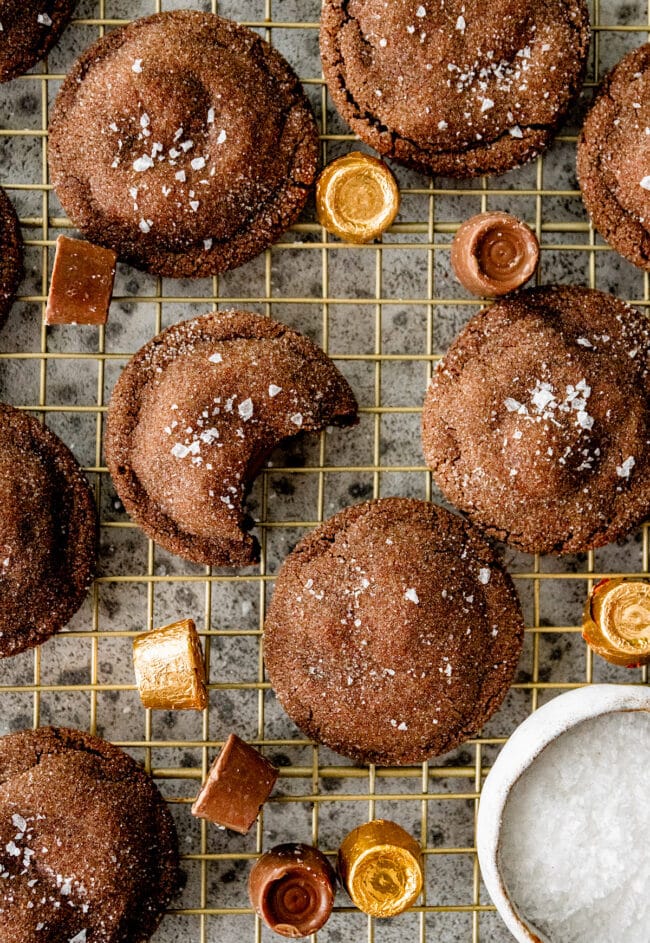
pixel 455 87
pixel 184 142
pixel 537 424
pixel 194 417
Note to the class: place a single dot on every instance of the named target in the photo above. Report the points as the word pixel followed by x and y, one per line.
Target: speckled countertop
pixel 85 675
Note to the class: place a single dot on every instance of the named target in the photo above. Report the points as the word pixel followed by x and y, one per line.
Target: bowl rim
pixel 531 737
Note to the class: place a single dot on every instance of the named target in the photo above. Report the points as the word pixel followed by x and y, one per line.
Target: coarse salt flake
pixel 245 409
pixel 421 12
pixel 412 596
pixel 645 183
pixel 484 575
pixel 221 137
pixel 137 66
pixel 274 390
pixel 296 419
pixel 142 163
pixel 215 358
pixel 625 470
pixel 44 19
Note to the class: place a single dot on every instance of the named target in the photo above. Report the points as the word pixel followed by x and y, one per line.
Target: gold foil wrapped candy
pixel 169 668
pixel 381 867
pixel 357 197
pixel 616 623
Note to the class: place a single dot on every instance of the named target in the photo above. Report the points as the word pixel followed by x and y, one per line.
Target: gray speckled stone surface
pixel 86 673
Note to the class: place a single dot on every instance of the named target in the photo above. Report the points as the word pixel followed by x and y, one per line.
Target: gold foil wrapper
pixel 616 623
pixel 169 668
pixel 381 867
pixel 357 197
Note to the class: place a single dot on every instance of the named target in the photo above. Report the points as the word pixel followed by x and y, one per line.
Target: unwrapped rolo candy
pixel 292 888
pixel 238 784
pixel 494 254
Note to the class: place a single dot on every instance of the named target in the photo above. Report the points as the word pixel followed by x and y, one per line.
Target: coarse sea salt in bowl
pixel 563 831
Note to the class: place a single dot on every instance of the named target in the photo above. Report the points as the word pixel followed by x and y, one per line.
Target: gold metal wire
pixel 580 240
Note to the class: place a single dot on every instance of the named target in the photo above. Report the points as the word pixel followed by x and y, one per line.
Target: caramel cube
pixel 238 784
pixel 82 283
pixel 169 668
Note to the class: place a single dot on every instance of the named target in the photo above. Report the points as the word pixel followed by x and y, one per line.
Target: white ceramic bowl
pixel 523 747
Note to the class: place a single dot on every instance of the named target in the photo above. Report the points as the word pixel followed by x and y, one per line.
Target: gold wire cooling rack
pixel 384 313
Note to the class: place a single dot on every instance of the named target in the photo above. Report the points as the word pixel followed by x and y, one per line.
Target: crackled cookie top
pixel 88 850
pixel 614 158
pixel 11 255
pixel 29 30
pixel 393 633
pixel 184 142
pixel 537 422
pixel 195 415
pixel 48 533
pixel 455 87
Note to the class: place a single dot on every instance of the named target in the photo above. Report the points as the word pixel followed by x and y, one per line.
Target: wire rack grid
pixel 385 313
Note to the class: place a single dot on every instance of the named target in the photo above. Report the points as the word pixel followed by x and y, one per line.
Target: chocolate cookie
pixel 48 533
pixel 455 88
pixel 11 255
pixel 88 849
pixel 195 415
pixel 29 30
pixel 184 142
pixel 537 423
pixel 393 633
pixel 614 158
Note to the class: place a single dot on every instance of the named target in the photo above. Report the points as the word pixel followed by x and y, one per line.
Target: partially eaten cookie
pixel 194 417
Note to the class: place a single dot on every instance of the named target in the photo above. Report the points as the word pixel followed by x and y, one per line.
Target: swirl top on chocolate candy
pixel 48 533
pixel 537 423
pixel 455 87
pixel 184 142
pixel 196 413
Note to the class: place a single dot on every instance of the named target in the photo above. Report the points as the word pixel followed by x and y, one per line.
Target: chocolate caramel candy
pixel 357 197
pixel 238 784
pixel 169 668
pixel 616 623
pixel 82 283
pixel 380 865
pixel 292 888
pixel 494 254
